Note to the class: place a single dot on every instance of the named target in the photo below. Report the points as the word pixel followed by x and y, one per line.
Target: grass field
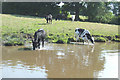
pixel 17 24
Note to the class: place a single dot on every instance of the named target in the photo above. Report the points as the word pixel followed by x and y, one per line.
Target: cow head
pixel 77 31
pixel 34 43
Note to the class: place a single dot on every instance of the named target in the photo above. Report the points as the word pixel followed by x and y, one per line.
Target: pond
pixel 61 61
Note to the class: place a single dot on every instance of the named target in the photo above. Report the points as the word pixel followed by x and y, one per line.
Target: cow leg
pixel 33 48
pixel 91 40
pixel 39 43
pixel 87 39
pixel 51 21
pixel 47 20
pixel 83 41
pixel 42 42
pixel 88 42
pixel 77 39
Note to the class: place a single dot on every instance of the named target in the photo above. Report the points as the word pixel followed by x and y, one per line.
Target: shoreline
pixel 59 41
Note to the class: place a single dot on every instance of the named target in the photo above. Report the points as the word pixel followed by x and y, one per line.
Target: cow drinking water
pixel 84 34
pixel 39 36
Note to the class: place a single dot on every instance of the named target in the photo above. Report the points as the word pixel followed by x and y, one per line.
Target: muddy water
pixel 61 61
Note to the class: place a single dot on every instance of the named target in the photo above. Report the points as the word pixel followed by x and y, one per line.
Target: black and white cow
pixel 39 36
pixel 84 34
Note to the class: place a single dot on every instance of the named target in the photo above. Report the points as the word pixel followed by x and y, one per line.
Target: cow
pixel 48 18
pixel 84 34
pixel 39 36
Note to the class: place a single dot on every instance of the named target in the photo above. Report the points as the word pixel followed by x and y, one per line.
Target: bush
pixel 70 40
pixel 58 38
pixel 13 42
pixel 115 20
pixel 100 39
pixel 116 40
pixel 60 41
pixel 106 18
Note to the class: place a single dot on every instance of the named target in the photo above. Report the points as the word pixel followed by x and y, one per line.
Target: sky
pixel 61 4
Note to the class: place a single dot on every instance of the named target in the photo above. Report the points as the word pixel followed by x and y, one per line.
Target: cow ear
pixel 79 29
pixel 75 30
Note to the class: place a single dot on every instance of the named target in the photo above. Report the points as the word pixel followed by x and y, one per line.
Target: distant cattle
pixel 39 36
pixel 73 17
pixel 48 18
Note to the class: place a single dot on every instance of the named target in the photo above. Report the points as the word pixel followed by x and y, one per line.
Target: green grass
pixel 14 24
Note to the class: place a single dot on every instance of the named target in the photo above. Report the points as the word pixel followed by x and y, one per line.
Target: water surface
pixel 61 61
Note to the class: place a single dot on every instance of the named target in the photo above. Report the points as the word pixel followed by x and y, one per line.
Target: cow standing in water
pixel 39 36
pixel 49 18
pixel 84 34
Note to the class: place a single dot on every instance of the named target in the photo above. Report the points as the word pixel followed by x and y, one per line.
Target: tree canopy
pixel 30 8
pixel 105 12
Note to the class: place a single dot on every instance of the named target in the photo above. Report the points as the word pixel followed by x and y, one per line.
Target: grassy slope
pixel 27 24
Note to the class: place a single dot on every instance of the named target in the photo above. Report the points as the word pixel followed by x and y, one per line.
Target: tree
pixel 30 8
pixel 98 11
pixel 76 7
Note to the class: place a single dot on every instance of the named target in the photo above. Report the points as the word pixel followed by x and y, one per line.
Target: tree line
pixel 101 12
